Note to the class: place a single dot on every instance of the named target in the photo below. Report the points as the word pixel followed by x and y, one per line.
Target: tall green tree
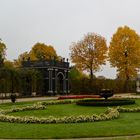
pixel 9 80
pixel 30 81
pixel 124 52
pixel 76 74
pixel 89 53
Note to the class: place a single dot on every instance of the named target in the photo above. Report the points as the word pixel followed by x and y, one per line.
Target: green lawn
pixel 62 110
pixel 127 124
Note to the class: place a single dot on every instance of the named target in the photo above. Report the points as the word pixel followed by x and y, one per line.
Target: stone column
pixel 50 80
pixel 64 82
pixel 56 81
pixel 68 88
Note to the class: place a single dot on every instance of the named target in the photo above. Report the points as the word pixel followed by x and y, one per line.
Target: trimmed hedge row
pixel 109 102
pixel 85 86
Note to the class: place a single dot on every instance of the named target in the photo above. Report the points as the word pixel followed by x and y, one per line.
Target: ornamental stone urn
pixel 106 93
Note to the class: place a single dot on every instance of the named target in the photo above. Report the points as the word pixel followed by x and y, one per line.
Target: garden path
pixel 128 95
pixel 29 99
pixel 134 137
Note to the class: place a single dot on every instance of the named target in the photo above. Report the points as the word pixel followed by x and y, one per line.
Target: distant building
pixel 55 75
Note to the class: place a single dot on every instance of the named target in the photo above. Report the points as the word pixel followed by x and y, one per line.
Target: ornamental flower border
pixel 78 97
pixel 111 113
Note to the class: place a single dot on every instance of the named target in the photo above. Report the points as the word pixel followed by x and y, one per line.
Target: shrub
pixel 83 85
pixel 101 102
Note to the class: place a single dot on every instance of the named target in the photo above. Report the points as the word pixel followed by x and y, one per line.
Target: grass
pixel 127 124
pixel 61 110
pixel 17 104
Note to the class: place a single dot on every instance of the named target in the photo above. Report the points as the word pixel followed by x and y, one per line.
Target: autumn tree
pixel 89 53
pixel 124 53
pixel 8 64
pixel 21 57
pixel 41 51
pixel 2 52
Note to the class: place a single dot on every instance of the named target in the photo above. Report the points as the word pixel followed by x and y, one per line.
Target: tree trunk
pixel 126 83
pixel 126 80
pixel 91 74
pixel 125 87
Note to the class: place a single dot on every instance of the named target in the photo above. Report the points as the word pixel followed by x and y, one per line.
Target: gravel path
pixel 28 99
pixel 129 95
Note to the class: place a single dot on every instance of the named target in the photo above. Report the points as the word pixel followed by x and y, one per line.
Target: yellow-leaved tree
pixel 124 53
pixel 41 51
pixel 21 57
pixel 89 53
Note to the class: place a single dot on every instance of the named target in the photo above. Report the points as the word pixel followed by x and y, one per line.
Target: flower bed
pixel 122 109
pixel 108 115
pixel 37 106
pixel 78 97
pixel 111 113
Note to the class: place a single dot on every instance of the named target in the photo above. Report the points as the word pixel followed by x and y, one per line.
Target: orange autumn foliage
pixel 89 53
pixel 124 52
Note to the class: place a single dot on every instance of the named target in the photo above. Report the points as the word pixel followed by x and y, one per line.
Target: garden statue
pixel 13 98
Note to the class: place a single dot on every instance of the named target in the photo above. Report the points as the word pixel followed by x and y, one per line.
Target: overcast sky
pixel 61 22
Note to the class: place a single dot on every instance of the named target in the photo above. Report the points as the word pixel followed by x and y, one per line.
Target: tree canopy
pixel 41 51
pixel 2 52
pixel 124 52
pixel 89 53
pixel 21 57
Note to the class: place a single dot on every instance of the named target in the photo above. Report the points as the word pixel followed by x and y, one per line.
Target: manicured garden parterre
pixel 126 124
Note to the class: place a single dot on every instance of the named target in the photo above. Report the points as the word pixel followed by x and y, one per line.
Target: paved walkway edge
pixel 95 138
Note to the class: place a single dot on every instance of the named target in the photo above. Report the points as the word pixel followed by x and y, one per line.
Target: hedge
pixel 102 102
